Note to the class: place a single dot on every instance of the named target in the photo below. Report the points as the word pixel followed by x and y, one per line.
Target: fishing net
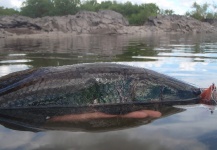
pixel 90 84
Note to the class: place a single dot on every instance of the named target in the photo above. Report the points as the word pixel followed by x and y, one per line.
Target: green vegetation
pixel 204 11
pixel 37 8
pixel 167 12
pixel 8 11
pixel 136 14
pixel 41 8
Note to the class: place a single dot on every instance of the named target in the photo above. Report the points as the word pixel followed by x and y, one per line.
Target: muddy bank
pixel 102 22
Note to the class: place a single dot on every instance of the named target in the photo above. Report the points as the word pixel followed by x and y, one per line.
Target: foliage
pixel 204 11
pixel 65 7
pixel 136 14
pixel 8 11
pixel 144 12
pixel 90 5
pixel 37 8
pixel 41 8
pixel 167 12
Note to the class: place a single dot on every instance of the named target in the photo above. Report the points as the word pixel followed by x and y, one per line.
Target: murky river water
pixel 192 59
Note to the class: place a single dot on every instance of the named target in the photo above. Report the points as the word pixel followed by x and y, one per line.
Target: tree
pixel 166 12
pixel 145 11
pixel 203 11
pixel 40 8
pixel 8 11
pixel 37 8
pixel 66 7
pixel 136 14
pixel 90 5
pixel 200 12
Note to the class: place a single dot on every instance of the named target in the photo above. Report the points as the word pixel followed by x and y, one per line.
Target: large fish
pixel 105 87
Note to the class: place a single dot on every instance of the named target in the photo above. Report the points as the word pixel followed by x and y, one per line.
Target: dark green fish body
pixel 107 87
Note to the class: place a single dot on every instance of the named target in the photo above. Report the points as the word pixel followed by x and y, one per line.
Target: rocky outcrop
pixel 178 23
pixel 213 22
pixel 4 34
pixel 102 22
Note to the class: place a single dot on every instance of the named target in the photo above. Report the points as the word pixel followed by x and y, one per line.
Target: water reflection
pixel 179 131
pixel 15 61
pixel 97 45
pixel 39 120
pixel 70 50
pixel 6 69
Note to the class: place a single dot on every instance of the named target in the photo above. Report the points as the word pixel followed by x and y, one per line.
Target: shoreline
pixel 104 22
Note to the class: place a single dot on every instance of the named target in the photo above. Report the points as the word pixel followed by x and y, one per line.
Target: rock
pixel 114 16
pixel 213 22
pixel 102 22
pixel 178 23
pixel 4 34
pixel 17 22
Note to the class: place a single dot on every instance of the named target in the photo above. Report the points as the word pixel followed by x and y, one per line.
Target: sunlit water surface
pixel 191 58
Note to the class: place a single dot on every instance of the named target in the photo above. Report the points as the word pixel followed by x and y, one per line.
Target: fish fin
pixel 206 95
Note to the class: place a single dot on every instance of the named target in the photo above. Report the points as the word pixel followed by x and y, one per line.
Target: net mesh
pixel 89 84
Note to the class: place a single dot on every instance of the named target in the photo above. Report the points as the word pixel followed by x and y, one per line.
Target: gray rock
pixel 4 34
pixel 105 21
pixel 114 16
pixel 102 22
pixel 213 22
pixel 178 23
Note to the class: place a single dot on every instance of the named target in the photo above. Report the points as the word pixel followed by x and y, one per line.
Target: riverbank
pixel 102 22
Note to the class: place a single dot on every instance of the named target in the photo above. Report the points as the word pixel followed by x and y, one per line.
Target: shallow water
pixel 191 58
